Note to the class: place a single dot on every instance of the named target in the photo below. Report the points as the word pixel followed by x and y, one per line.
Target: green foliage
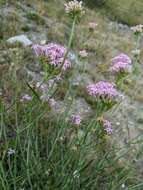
pixel 128 12
pixel 49 154
pixel 124 11
pixel 35 17
pixel 92 3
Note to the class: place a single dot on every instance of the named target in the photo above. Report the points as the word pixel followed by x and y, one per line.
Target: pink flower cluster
pixel 107 127
pixel 103 90
pixel 76 119
pixel 92 25
pixel 121 64
pixel 26 98
pixel 54 53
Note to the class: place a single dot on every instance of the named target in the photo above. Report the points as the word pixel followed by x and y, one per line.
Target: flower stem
pixel 70 42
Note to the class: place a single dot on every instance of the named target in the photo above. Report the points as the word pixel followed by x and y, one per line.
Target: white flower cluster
pixel 74 8
pixel 83 53
pixel 138 29
pixel 136 52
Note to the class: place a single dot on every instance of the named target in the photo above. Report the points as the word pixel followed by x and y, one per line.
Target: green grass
pixel 47 157
pixel 127 12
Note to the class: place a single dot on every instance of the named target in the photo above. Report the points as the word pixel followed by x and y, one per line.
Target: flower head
pixel 107 127
pixel 83 53
pixel 92 25
pixel 121 67
pixel 138 29
pixel 10 152
pixel 26 98
pixel 121 64
pixel 53 54
pixel 121 58
pixel 51 102
pixel 103 91
pixel 74 8
pixel 76 119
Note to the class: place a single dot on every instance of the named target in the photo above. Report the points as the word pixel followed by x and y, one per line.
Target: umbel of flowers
pixel 121 64
pixel 104 94
pixel 105 126
pixel 52 57
pixel 74 9
pixel 138 29
pixel 121 67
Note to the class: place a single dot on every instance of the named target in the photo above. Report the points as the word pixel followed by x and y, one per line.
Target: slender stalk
pixel 70 41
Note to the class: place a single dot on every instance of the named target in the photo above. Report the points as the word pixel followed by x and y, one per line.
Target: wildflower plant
pixel 105 129
pixel 121 66
pixel 47 151
pixel 52 57
pixel 104 94
pixel 83 54
pixel 137 31
pixel 76 120
pixel 92 26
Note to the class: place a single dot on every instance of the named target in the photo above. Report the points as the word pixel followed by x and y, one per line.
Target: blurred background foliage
pixel 128 12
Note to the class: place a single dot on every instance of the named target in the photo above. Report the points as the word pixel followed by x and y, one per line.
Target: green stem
pixel 70 41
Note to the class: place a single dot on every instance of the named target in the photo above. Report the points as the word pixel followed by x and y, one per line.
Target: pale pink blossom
pixel 107 127
pixel 76 119
pixel 54 55
pixel 92 25
pixel 103 90
pixel 26 98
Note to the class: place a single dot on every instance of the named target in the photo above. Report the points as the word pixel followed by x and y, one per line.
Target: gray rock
pixel 22 73
pixel 38 37
pixel 79 106
pixel 23 39
pixel 80 79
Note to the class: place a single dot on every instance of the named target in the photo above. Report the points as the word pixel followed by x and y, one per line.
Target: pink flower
pixel 51 102
pixel 26 98
pixel 121 58
pixel 54 54
pixel 92 25
pixel 103 90
pixel 121 64
pixel 107 127
pixel 76 119
pixel 121 67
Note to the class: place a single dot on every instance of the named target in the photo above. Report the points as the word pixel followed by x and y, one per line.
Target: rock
pixel 79 106
pixel 34 66
pixel 22 73
pixel 38 37
pixel 80 79
pixel 23 39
